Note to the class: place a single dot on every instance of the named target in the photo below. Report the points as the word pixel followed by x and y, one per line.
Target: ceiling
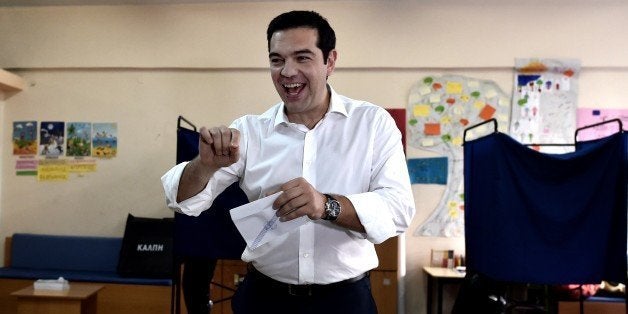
pixel 24 3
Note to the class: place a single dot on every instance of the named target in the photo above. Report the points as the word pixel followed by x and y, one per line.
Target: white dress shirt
pixel 355 151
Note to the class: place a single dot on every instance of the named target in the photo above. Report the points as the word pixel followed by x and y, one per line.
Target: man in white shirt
pixel 336 160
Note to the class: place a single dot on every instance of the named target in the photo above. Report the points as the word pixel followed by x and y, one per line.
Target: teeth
pixel 293 85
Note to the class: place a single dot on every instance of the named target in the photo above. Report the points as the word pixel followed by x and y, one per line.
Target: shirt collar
pixel 336 105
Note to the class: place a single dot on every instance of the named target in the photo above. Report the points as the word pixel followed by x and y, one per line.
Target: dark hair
pixel 294 19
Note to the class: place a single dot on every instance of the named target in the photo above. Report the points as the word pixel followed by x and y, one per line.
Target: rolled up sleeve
pixel 387 210
pixel 192 206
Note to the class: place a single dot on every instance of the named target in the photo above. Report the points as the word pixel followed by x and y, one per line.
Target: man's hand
pixel 219 146
pixel 299 198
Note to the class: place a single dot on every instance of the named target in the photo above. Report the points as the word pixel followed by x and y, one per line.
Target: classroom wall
pixel 143 66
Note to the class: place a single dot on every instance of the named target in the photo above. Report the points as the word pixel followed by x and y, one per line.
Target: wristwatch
pixel 332 208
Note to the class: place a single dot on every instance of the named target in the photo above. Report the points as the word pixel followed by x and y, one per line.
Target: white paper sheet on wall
pixel 544 102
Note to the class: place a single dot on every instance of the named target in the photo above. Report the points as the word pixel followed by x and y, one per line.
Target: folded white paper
pixel 258 223
pixel 51 284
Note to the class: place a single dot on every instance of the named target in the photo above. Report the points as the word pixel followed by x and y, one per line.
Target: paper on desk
pixel 258 223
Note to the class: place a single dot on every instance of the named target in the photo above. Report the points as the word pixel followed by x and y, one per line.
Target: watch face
pixel 332 208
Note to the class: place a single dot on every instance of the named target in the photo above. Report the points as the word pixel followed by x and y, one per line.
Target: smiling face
pixel 299 73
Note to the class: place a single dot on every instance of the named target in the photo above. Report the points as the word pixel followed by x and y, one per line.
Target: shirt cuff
pixel 192 206
pixel 374 215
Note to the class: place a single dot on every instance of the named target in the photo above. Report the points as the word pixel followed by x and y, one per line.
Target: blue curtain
pixel 546 218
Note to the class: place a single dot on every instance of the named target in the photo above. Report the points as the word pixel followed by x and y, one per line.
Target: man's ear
pixel 331 61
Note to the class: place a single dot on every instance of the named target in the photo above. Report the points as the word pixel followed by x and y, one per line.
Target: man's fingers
pixel 235 138
pixel 234 145
pixel 216 140
pixel 292 184
pixel 291 190
pixel 205 136
pixel 290 204
pixel 224 140
pixel 290 214
pixel 218 146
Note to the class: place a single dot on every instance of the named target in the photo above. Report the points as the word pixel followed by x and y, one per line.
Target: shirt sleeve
pixel 387 209
pixel 196 204
pixel 192 206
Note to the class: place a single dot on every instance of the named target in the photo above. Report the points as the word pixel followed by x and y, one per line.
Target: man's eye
pixel 303 58
pixel 275 61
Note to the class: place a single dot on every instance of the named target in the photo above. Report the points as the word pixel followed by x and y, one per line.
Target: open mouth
pixel 293 89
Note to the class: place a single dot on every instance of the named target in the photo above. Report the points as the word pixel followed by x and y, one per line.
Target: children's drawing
pixel 591 116
pixel 25 138
pixel 544 102
pixel 105 140
pixel 79 139
pixel 51 138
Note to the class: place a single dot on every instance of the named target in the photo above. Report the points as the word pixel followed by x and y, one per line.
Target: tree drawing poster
pixel 545 101
pixel 79 141
pixel 440 108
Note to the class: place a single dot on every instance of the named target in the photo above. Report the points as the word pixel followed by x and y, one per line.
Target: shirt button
pixel 306 255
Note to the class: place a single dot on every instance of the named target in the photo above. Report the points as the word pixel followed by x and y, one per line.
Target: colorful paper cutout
pixel 432 129
pixel 453 88
pixel 428 170
pixel 422 110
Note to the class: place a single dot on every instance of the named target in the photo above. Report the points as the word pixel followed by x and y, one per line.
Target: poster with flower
pixel 105 140
pixel 544 102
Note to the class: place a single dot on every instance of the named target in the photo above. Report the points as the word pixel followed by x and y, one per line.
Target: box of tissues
pixel 52 284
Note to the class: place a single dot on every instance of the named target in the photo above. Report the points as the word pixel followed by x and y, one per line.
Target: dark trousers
pixel 260 294
pixel 197 275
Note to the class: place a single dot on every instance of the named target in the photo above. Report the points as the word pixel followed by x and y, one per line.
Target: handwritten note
pixel 52 170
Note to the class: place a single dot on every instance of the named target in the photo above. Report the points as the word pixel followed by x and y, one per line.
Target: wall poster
pixel 51 138
pixel 544 102
pixel 41 151
pixel 591 116
pixel 105 140
pixel 24 138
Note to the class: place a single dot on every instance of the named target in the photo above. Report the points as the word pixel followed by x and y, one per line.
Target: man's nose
pixel 289 69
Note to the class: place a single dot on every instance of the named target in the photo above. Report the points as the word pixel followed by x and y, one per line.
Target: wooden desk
pixel 441 276
pixel 79 299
